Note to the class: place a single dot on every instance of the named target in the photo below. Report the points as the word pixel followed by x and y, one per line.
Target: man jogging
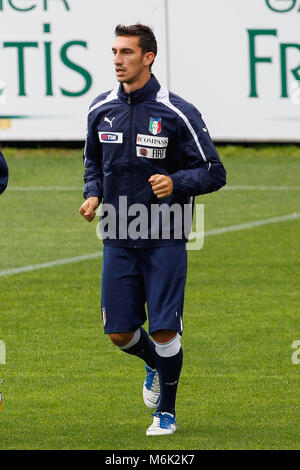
pixel 151 147
pixel 3 173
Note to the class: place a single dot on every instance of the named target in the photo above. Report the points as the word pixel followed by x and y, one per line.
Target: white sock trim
pixel 135 339
pixel 169 349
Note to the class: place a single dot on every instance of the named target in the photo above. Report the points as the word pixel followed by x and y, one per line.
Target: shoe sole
pixel 166 432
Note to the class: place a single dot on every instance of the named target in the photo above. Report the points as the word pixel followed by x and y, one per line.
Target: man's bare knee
pixel 121 339
pixel 162 336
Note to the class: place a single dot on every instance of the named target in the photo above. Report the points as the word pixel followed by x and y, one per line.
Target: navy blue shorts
pixel 133 277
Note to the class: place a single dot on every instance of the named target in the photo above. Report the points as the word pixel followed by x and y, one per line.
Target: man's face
pixel 129 60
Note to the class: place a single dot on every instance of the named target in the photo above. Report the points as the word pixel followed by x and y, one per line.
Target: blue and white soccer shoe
pixel 151 389
pixel 163 423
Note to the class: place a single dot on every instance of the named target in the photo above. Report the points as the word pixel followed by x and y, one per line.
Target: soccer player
pixel 3 173
pixel 152 147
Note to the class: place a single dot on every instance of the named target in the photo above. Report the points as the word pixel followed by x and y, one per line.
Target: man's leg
pixel 165 276
pixel 165 354
pixel 169 358
pixel 123 309
pixel 168 361
pixel 141 345
pixel 137 344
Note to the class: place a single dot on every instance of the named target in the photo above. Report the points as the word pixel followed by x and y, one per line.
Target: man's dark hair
pixel 147 40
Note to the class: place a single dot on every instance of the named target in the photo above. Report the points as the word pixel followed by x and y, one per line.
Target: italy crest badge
pixel 155 125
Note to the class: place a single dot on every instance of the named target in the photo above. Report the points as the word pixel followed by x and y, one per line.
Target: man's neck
pixel 137 84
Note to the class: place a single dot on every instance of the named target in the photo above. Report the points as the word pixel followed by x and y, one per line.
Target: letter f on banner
pixel 253 59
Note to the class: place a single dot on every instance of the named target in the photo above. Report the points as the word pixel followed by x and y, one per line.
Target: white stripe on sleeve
pixel 113 95
pixel 163 97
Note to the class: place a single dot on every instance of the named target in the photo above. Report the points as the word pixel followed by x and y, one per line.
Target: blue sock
pixel 141 346
pixel 169 369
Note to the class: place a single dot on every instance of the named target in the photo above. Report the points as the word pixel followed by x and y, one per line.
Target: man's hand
pixel 88 208
pixel 162 185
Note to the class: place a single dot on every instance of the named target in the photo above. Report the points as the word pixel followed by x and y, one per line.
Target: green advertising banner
pixel 55 58
pixel 242 65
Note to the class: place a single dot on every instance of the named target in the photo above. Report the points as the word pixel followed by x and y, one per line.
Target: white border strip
pixel 217 231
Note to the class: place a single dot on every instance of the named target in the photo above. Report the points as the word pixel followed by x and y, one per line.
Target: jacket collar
pixel 147 91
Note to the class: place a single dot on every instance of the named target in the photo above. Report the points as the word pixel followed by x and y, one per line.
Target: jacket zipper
pixel 130 149
pixel 130 146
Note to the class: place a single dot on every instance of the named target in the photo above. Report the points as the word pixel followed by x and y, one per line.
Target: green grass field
pixel 66 387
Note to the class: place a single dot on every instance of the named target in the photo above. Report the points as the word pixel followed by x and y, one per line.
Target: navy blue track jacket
pixel 3 173
pixel 131 137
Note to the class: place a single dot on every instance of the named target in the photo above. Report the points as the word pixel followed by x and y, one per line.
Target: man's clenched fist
pixel 162 185
pixel 88 208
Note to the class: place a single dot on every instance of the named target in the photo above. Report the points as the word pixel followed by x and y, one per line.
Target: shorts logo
pixel 155 126
pixel 150 141
pixel 111 137
pixel 151 152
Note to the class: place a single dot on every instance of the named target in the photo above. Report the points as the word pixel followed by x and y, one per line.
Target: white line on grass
pixel 262 188
pixel 217 231
pixel 50 264
pixel 45 188
pixel 256 223
pixel 228 188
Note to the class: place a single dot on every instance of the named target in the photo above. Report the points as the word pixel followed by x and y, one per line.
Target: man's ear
pixel 149 58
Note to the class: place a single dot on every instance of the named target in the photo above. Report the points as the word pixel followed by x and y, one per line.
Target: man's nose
pixel 117 59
